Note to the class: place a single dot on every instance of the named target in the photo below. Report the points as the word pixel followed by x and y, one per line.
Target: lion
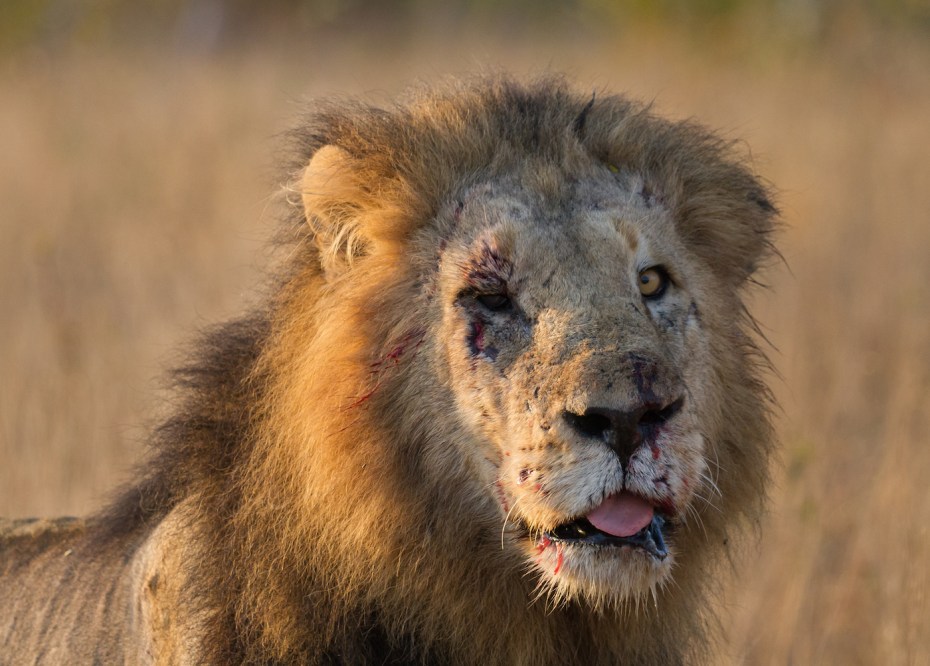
pixel 502 405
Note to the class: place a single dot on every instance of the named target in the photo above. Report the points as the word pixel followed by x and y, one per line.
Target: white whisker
pixel 506 518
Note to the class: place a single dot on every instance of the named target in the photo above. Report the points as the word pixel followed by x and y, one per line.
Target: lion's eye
pixel 652 282
pixel 494 301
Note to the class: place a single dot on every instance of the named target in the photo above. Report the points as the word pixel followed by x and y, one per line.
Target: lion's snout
pixel 623 430
pixel 624 403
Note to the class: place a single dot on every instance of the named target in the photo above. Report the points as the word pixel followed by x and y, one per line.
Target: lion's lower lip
pixel 580 532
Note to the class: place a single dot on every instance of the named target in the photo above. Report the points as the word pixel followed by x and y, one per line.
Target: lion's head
pixel 511 362
pixel 572 329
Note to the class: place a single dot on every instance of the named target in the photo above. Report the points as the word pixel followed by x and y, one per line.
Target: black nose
pixel 624 431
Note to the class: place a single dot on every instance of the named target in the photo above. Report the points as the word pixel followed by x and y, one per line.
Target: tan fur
pixel 365 470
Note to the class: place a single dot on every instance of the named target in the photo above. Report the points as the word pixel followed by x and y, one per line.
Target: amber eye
pixel 652 282
pixel 494 301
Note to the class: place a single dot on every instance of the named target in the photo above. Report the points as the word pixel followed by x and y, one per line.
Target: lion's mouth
pixel 650 539
pixel 622 520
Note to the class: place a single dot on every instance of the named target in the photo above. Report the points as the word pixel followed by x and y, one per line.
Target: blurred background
pixel 138 146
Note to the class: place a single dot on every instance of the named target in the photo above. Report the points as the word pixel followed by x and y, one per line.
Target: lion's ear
pixel 733 232
pixel 334 197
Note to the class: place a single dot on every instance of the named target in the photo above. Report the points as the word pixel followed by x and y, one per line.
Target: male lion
pixel 503 406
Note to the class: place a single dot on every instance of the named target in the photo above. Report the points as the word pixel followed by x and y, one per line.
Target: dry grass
pixel 133 196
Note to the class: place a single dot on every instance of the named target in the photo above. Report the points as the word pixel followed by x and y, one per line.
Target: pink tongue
pixel 622 515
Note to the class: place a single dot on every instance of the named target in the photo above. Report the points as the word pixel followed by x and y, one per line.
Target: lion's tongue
pixel 622 515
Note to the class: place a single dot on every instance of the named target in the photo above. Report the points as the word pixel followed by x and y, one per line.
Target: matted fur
pixel 362 471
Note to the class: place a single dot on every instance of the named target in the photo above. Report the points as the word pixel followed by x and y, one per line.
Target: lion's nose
pixel 623 431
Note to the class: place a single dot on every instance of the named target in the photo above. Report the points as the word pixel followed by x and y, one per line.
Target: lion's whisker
pixel 506 518
pixel 711 483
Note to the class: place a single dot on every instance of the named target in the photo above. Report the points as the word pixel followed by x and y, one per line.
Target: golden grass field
pixel 136 198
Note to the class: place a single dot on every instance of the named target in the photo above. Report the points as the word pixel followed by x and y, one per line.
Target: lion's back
pixel 70 592
pixel 46 602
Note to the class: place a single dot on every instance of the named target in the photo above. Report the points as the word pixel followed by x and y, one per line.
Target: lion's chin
pixel 600 576
pixel 578 561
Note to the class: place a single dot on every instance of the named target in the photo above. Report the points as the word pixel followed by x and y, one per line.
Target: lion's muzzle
pixel 624 430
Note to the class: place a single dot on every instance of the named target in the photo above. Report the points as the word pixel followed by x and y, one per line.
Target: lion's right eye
pixel 494 302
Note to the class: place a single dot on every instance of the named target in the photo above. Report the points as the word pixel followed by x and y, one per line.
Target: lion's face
pixel 573 335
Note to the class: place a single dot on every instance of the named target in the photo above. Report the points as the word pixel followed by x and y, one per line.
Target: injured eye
pixel 494 302
pixel 652 282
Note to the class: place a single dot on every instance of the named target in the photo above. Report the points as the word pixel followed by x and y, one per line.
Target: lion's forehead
pixel 592 227
pixel 588 245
